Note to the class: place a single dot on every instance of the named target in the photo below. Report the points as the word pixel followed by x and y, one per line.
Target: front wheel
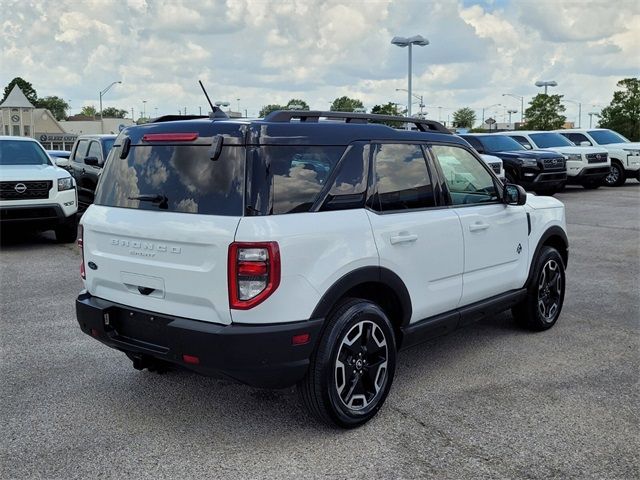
pixel 67 232
pixel 545 294
pixel 351 372
pixel 616 175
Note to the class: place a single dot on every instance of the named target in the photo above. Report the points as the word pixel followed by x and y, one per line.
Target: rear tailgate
pixel 164 262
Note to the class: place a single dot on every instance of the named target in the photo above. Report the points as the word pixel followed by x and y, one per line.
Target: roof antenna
pixel 216 112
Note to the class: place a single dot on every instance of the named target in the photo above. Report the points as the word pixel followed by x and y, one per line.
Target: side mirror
pixel 514 195
pixel 585 144
pixel 93 161
pixel 62 162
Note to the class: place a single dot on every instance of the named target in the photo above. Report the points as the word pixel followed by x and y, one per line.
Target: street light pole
pixel 487 108
pixel 510 112
pixel 579 110
pixel 591 114
pixel 417 97
pixel 521 98
pixel 409 42
pixel 101 94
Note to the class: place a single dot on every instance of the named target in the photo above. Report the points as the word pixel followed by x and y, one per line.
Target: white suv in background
pixel 294 250
pixel 586 166
pixel 35 193
pixel 624 155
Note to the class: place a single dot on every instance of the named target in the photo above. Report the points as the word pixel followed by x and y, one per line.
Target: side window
pixel 522 141
pixel 468 180
pixel 402 178
pixel 80 151
pixel 351 179
pixel 95 151
pixel 576 138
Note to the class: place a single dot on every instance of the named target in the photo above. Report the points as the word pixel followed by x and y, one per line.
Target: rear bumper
pixel 260 356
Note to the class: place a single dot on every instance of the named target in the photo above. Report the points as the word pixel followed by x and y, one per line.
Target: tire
pixel 67 232
pixel 616 175
pixel 349 379
pixel 545 294
pixel 591 185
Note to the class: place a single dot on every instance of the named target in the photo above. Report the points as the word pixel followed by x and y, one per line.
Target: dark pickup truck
pixel 542 171
pixel 87 158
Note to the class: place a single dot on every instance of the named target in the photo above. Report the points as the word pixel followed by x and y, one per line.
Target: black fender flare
pixel 554 231
pixel 358 277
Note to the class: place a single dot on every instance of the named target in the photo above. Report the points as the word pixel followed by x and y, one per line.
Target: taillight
pixel 81 246
pixel 254 273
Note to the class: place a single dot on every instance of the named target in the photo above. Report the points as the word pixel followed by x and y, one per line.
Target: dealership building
pixel 20 118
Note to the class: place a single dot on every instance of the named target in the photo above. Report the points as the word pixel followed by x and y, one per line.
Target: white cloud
pixel 267 51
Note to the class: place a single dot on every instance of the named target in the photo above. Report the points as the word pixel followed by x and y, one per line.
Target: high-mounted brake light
pixel 253 273
pixel 169 137
pixel 81 247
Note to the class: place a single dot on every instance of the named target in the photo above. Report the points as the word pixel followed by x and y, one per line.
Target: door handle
pixel 403 239
pixel 478 226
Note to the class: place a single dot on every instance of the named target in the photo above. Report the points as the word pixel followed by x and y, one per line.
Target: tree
pixel 464 118
pixel 623 113
pixel 112 112
pixel 296 104
pixel 388 109
pixel 267 109
pixel 346 104
pixel 26 88
pixel 56 105
pixel 545 112
pixel 89 111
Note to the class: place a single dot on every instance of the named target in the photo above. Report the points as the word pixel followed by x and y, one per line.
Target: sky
pixel 257 52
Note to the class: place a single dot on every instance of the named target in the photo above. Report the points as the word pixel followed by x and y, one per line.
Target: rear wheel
pixel 352 369
pixel 616 175
pixel 545 294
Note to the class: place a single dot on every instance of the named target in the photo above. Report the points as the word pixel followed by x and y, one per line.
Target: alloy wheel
pixel 549 290
pixel 361 365
pixel 614 175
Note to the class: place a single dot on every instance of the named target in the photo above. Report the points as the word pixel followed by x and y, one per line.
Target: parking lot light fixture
pixel 546 84
pixel 510 112
pixel 591 115
pixel 402 42
pixel 101 95
pixel 521 98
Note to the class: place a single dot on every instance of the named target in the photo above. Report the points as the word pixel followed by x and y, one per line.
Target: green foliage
pixel 345 104
pixel 623 113
pixel 389 109
pixel 89 111
pixel 464 118
pixel 56 105
pixel 26 88
pixel 545 112
pixel 267 109
pixel 296 104
pixel 112 112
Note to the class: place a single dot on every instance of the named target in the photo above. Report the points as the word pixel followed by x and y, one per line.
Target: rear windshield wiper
pixel 161 200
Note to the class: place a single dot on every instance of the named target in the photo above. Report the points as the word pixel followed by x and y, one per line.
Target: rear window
pixel 22 152
pixel 174 178
pixel 288 179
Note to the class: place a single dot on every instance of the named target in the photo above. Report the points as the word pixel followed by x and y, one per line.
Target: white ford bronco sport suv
pixel 625 155
pixel 35 193
pixel 586 166
pixel 308 248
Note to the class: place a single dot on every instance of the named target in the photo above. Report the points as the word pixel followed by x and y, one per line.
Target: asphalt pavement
pixel 487 401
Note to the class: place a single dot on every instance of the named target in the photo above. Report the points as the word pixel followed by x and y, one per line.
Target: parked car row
pixel 545 162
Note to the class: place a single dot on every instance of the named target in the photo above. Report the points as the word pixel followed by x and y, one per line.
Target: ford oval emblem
pixel 92 266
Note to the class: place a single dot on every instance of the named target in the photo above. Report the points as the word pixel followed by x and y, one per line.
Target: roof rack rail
pixel 216 114
pixel 352 117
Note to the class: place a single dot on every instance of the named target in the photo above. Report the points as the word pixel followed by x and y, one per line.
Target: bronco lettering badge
pixel 145 246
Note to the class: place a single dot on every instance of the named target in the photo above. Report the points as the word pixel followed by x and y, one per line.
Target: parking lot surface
pixel 488 401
